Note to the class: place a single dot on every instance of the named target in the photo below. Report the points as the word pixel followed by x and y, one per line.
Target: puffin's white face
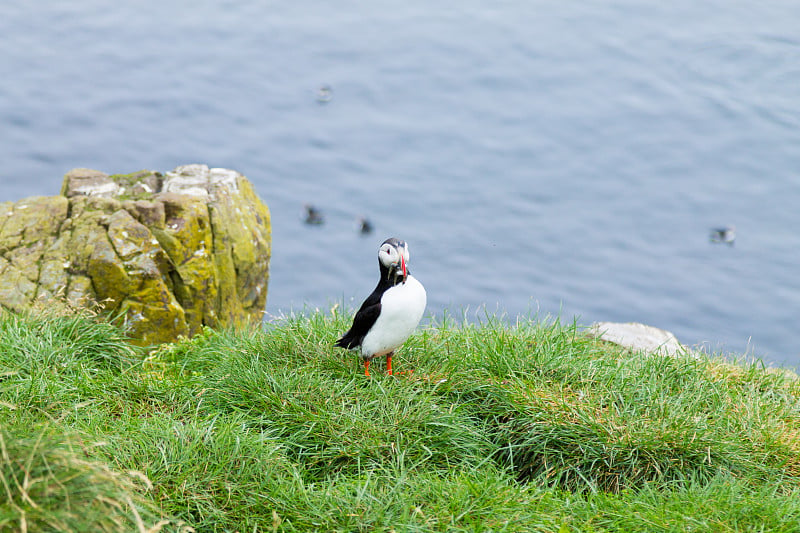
pixel 394 255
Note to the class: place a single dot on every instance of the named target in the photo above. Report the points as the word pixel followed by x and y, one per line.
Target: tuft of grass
pixel 51 360
pixel 61 342
pixel 48 484
pixel 717 504
pixel 494 426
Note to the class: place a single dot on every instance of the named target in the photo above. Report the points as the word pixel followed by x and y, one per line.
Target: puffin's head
pixel 393 255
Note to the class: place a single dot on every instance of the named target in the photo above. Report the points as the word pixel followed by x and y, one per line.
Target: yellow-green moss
pixel 168 263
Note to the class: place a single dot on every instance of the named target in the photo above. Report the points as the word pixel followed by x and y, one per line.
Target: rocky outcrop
pixel 166 253
pixel 638 337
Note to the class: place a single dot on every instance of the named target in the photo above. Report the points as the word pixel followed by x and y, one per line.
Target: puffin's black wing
pixel 362 322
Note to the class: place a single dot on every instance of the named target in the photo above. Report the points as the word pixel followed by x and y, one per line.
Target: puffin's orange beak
pixel 403 267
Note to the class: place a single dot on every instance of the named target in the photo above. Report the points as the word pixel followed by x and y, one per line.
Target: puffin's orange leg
pixel 389 363
pixel 366 368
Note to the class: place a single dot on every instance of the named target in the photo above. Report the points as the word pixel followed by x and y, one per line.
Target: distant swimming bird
pixel 364 225
pixel 725 235
pixel 313 215
pixel 324 94
pixel 391 313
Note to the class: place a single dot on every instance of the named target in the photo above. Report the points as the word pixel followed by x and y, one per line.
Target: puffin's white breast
pixel 401 310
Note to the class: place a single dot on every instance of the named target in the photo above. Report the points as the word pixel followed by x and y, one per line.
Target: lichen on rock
pixel 166 253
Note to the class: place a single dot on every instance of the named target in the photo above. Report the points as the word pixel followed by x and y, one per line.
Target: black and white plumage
pixel 726 235
pixel 391 313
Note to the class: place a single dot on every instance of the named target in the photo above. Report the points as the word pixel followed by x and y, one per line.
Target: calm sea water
pixel 541 158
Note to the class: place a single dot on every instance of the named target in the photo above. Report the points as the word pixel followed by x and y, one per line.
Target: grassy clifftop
pixel 525 427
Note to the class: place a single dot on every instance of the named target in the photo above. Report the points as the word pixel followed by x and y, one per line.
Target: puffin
pixel 313 215
pixel 391 313
pixel 364 225
pixel 324 94
pixel 726 235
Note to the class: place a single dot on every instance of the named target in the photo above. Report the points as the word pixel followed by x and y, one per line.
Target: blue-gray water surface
pixel 541 158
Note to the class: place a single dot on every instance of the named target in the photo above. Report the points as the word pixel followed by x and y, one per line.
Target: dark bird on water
pixel 313 215
pixel 364 225
pixel 391 313
pixel 726 235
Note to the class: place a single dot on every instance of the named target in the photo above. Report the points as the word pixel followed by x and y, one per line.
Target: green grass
pixel 500 427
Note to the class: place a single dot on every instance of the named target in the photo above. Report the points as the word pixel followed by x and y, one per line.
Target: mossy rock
pixel 165 253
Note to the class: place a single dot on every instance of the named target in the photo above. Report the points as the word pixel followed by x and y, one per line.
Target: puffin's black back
pixel 365 317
